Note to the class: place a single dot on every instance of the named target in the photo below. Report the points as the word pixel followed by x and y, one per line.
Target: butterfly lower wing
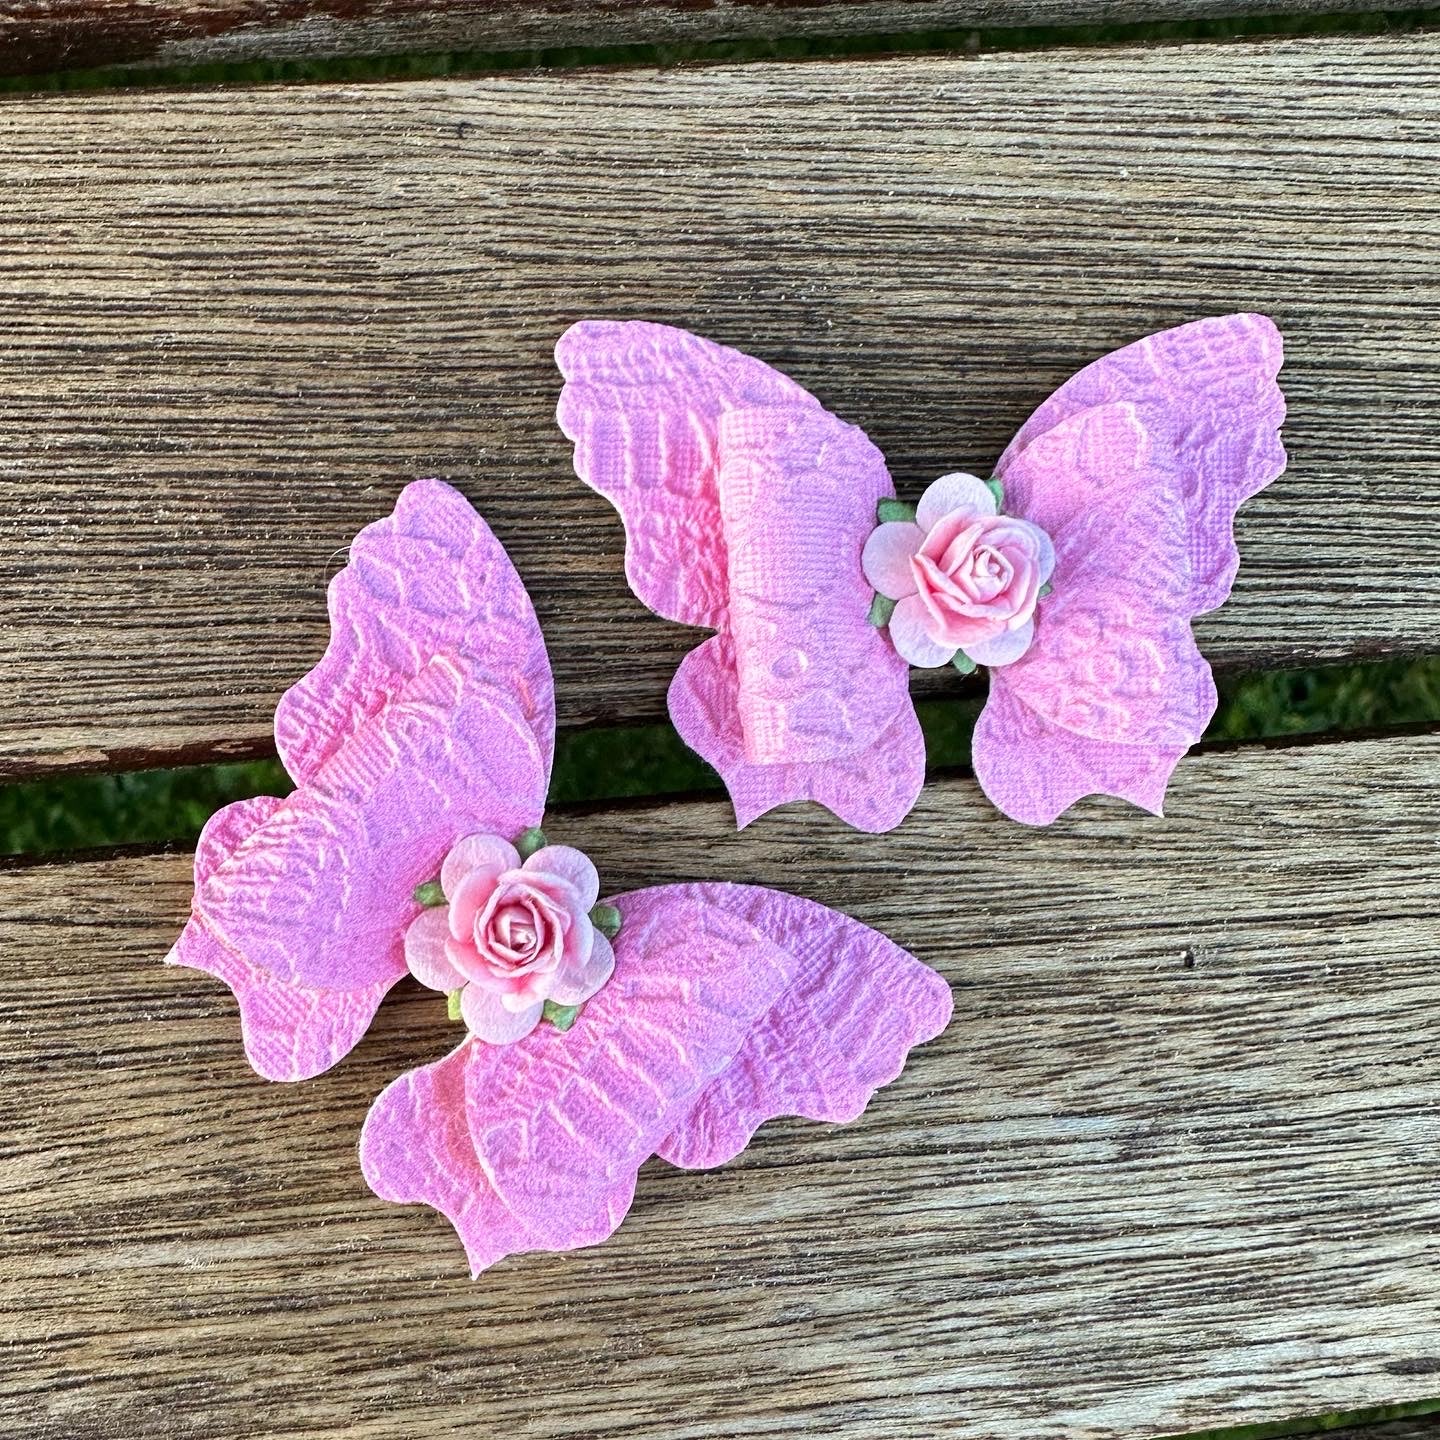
pixel 857 1005
pixel 1112 690
pixel 415 1149
pixel 557 1125
pixel 872 788
pixel 291 1031
pixel 430 578
pixel 642 404
pixel 1214 382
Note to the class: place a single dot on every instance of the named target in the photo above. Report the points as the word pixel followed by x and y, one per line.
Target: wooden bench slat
pixel 241 320
pixel 1172 1166
pixel 37 36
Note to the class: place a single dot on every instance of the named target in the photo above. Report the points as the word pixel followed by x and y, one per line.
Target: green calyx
pixel 606 919
pixel 530 841
pixel 963 663
pixel 429 894
pixel 1044 590
pixel 562 1017
pixel 888 510
pixel 997 489
pixel 882 607
pixel 452 1004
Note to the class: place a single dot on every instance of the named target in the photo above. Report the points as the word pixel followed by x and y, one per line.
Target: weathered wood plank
pixel 1171 1167
pixel 37 36
pixel 239 321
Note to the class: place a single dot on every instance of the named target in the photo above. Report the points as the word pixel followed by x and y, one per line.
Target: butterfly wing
pixel 642 404
pixel 1211 385
pixel 556 1126
pixel 301 904
pixel 1113 690
pixel 854 1008
pixel 747 506
pixel 872 788
pixel 431 578
pixel 1135 468
pixel 291 1031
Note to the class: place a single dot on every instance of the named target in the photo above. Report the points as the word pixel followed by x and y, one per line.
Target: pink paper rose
pixel 965 578
pixel 510 936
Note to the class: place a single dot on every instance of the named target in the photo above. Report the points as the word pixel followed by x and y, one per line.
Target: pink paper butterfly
pixel 420 747
pixel 751 510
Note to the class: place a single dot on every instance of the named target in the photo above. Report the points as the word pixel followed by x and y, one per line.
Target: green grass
pixel 170 806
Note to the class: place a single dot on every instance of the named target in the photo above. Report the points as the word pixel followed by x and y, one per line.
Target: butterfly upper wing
pixel 430 578
pixel 747 506
pixel 873 788
pixel 1212 384
pixel 557 1125
pixel 1135 468
pixel 301 904
pixel 642 403
pixel 1112 690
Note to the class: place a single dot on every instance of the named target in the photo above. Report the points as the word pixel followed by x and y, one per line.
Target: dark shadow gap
pixel 473 63
pixel 642 762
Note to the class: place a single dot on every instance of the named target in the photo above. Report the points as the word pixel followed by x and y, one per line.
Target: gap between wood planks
pixel 155 56
pixel 77 811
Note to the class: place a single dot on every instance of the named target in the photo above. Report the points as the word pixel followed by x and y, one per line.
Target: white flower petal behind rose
pixel 489 1020
pixel 908 629
pixel 425 951
pixel 887 555
pixel 1005 648
pixel 475 852
pixel 965 494
pixel 569 864
pixel 576 987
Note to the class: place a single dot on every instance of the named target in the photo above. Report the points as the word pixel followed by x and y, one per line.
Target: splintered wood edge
pixel 1171 1166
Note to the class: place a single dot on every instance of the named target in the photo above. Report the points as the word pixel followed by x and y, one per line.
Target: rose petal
pixel 953 535
pixel 966 493
pixel 469 896
pixel 488 1019
pixel 527 990
pixel 574 987
pixel 1003 649
pixel 886 558
pixel 425 956
pixel 475 852
pixel 912 639
pixel 567 863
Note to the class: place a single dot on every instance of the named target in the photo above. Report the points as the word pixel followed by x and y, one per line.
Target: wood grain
pixel 1172 1166
pixel 237 322
pixel 37 36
